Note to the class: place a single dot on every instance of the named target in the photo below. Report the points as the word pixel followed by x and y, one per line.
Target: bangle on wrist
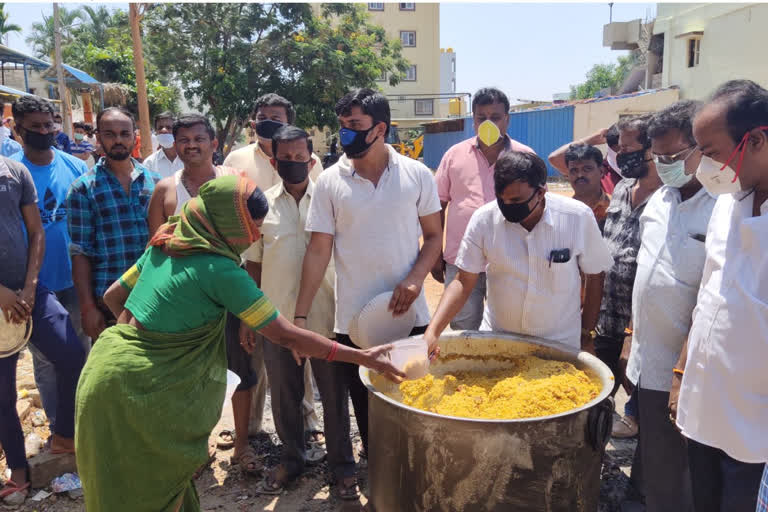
pixel 332 353
pixel 677 371
pixel 297 317
pixel 628 331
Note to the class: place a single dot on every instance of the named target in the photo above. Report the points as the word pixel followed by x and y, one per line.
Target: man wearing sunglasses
pixel 669 268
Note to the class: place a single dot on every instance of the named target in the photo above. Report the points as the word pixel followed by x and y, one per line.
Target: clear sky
pixel 529 50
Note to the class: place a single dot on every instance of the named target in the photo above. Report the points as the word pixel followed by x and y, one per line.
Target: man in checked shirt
pixel 107 217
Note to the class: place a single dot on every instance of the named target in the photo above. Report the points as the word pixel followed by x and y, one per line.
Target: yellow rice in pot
pixel 529 388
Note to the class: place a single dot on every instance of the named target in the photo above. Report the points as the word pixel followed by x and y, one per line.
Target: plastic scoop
pixel 410 357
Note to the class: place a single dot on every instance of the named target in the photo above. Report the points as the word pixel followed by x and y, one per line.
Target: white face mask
pixel 610 155
pixel 673 174
pixel 57 127
pixel 165 140
pixel 715 180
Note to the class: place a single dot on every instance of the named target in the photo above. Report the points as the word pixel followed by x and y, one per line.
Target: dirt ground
pixel 224 488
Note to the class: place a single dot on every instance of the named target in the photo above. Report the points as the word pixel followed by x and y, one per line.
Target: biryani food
pixel 529 388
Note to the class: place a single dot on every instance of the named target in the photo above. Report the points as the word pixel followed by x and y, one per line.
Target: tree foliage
pixel 42 37
pixel 5 26
pixel 226 55
pixel 603 76
pixel 102 47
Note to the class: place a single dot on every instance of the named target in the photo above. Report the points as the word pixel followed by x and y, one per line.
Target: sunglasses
pixel 670 159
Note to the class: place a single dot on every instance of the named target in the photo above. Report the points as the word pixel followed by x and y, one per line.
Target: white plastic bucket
pixel 232 382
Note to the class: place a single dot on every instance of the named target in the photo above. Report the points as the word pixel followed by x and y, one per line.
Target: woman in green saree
pixel 152 388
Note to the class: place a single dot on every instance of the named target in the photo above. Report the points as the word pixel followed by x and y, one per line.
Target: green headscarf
pixel 216 221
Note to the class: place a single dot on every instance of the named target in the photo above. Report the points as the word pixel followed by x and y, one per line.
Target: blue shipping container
pixel 542 130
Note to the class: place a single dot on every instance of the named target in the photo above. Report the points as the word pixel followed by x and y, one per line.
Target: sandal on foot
pixel 226 439
pixel 346 489
pixel 248 462
pixel 315 437
pixel 211 459
pixel 14 494
pixel 314 455
pixel 275 481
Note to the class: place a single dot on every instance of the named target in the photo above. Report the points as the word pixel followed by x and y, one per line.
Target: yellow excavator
pixel 413 151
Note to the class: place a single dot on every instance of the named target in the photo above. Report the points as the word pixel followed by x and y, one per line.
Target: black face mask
pixel 517 212
pixel 267 128
pixel 634 164
pixel 37 140
pixel 353 142
pixel 292 172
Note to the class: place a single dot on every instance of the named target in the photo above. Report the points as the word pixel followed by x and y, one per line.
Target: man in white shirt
pixel 272 112
pixel 669 266
pixel 723 396
pixel 275 261
pixel 165 161
pixel 532 245
pixel 369 210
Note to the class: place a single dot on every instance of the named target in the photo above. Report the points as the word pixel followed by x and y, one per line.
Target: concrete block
pixel 45 467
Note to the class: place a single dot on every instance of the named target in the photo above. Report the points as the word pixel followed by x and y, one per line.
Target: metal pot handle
pixel 600 424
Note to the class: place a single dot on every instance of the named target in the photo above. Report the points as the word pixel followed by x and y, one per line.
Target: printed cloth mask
pixel 633 165
pixel 610 155
pixel 37 140
pixel 165 140
pixel 488 133
pixel 292 172
pixel 267 128
pixel 353 141
pixel 516 212
pixel 722 179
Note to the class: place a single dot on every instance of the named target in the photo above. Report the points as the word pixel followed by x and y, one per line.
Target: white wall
pixel 733 45
pixel 591 117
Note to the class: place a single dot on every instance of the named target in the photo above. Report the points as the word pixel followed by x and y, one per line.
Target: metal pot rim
pixel 600 368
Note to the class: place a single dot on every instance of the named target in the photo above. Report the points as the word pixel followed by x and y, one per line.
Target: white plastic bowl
pixel 374 325
pixel 232 382
pixel 410 357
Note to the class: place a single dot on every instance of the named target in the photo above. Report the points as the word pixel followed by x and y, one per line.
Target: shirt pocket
pixel 690 261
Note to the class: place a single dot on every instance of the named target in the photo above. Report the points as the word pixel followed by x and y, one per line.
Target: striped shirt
pixel 106 224
pixel 526 293
pixel 622 234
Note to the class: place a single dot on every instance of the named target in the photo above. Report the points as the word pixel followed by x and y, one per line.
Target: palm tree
pixel 42 36
pixel 97 22
pixel 5 27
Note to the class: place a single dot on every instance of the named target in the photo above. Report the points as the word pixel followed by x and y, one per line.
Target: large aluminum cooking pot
pixel 421 461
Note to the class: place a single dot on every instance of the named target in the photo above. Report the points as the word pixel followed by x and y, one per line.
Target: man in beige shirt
pixel 272 112
pixel 275 261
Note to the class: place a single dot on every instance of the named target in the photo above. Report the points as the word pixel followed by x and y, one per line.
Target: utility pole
pixel 66 106
pixel 610 13
pixel 141 81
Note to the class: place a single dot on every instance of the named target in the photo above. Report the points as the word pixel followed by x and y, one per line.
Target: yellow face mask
pixel 488 133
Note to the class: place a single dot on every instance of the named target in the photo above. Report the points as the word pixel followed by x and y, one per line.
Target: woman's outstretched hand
pixel 377 359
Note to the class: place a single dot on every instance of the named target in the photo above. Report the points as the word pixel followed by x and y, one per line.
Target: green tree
pixel 5 27
pixel 226 55
pixel 603 76
pixel 42 37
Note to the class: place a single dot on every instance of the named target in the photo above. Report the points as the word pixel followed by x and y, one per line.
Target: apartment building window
pixel 408 37
pixel 408 7
pixel 423 107
pixel 453 65
pixel 694 49
pixel 375 6
pixel 453 85
pixel 382 77
pixel 410 74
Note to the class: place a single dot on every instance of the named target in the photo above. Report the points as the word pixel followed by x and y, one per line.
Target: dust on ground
pixel 223 487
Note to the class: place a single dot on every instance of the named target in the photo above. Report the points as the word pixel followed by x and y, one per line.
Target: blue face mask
pixel 673 174
pixel 353 141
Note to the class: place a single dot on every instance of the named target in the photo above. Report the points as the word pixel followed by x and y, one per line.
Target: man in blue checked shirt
pixel 107 218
